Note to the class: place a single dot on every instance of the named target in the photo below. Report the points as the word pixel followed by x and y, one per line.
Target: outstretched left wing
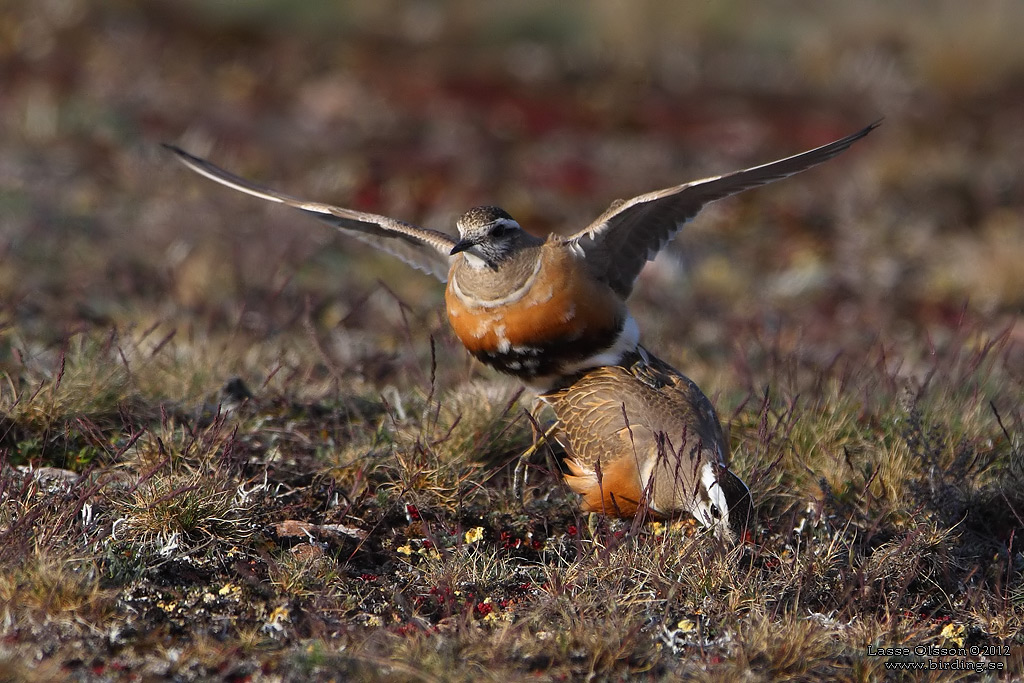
pixel 422 248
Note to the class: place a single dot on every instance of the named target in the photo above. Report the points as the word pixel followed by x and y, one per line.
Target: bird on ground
pixel 640 437
pixel 541 309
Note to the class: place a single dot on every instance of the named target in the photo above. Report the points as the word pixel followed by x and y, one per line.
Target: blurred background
pixel 422 109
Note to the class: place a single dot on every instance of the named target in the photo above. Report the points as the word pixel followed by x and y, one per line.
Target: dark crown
pixel 484 215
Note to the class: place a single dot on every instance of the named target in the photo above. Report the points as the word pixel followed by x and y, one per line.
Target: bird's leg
pixel 539 439
pixel 519 478
pixel 536 405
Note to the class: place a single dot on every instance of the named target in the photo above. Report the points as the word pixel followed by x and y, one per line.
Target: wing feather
pixel 632 232
pixel 425 249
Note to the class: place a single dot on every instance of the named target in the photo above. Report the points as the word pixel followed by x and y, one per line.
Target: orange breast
pixel 563 306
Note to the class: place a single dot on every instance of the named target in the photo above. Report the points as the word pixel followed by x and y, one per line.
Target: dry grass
pixel 889 508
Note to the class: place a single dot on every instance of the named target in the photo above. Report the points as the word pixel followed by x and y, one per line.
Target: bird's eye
pixel 715 512
pixel 500 230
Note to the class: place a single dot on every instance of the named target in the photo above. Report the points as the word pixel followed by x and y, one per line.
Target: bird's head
pixel 726 505
pixel 488 236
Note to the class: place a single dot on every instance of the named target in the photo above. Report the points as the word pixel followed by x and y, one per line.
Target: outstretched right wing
pixel 632 232
pixel 422 248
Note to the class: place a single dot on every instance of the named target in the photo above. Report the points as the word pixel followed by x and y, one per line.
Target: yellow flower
pixel 954 633
pixel 686 625
pixel 474 535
